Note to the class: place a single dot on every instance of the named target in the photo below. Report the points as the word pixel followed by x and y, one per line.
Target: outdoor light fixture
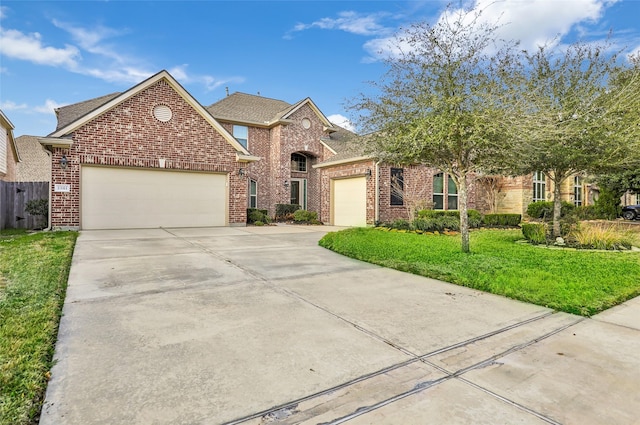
pixel 241 172
pixel 368 173
pixel 63 162
pixel 286 183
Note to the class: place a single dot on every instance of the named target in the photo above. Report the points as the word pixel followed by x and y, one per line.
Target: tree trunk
pixel 462 207
pixel 557 207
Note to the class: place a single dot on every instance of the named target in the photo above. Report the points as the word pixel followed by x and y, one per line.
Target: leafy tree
pixel 441 102
pixel 580 114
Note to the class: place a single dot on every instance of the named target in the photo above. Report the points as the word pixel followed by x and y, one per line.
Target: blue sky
pixel 61 52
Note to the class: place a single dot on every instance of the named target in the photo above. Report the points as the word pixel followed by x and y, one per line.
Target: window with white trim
pixel 253 194
pixel 298 162
pixel 577 191
pixel 241 134
pixel 539 186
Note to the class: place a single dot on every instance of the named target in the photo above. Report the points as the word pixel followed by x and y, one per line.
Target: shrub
pixel 305 216
pixel 39 208
pixel 258 223
pixel 284 210
pixel 608 205
pixel 254 215
pixel 535 232
pixel 603 236
pixel 544 209
pixel 586 212
pixel 475 217
pixel 400 224
pixel 436 224
pixel 512 220
pixel 437 213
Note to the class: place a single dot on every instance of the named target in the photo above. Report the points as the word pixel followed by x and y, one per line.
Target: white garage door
pixel 123 198
pixel 350 202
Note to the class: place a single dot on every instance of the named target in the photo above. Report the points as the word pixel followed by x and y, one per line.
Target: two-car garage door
pixel 124 198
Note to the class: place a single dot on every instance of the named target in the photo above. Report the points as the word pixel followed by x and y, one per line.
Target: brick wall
pixel 130 136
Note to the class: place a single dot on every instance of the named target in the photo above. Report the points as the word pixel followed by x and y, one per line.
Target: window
pixel 577 191
pixel 299 193
pixel 253 194
pixel 397 186
pixel 298 162
pixel 452 194
pixel 539 186
pixel 638 198
pixel 439 190
pixel 241 134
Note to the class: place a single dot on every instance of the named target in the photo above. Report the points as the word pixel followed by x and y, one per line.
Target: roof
pixel 8 125
pixel 68 114
pixel 243 107
pixel 348 147
pixel 35 164
pixel 98 106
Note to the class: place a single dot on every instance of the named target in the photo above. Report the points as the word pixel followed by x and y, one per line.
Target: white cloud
pixel 48 107
pixel 8 105
pixel 92 39
pixel 532 22
pixel 351 22
pixel 126 74
pixel 3 11
pixel 342 121
pixel 209 82
pixel 29 47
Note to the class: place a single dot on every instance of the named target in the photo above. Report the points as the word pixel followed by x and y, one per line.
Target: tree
pixel 580 114
pixel 441 102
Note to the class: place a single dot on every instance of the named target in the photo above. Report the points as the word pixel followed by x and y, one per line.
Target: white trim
pixel 246 158
pixel 56 142
pixel 69 128
pixel 328 147
pixel 327 124
pixel 343 161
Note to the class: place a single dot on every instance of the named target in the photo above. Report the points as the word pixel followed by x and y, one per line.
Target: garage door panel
pixel 350 202
pixel 117 198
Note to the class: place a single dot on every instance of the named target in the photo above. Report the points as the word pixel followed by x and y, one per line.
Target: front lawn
pixel 579 282
pixel 33 279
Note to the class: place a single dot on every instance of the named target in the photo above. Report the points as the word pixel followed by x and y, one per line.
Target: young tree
pixel 441 101
pixel 580 114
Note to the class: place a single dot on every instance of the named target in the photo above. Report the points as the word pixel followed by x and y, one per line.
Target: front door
pixel 299 192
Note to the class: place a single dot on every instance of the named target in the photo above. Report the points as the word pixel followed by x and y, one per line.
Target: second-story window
pixel 298 162
pixel 241 134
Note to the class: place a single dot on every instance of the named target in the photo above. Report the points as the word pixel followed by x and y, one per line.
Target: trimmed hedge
pixel 535 232
pixel 305 216
pixel 512 220
pixel 475 217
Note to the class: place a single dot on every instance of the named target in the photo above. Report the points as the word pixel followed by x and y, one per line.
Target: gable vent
pixel 162 113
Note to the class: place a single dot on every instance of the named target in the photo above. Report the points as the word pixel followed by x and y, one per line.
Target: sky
pixel 56 53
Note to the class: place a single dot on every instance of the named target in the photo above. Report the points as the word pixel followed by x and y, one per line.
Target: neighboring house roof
pixel 102 105
pixel 260 111
pixel 35 164
pixel 68 114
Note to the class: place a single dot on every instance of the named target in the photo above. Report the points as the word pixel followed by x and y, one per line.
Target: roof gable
pixel 111 101
pixel 313 106
pixel 248 108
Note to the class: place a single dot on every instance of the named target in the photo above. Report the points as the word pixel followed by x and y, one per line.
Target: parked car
pixel 631 212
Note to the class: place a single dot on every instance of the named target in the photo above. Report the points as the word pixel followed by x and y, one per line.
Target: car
pixel 631 212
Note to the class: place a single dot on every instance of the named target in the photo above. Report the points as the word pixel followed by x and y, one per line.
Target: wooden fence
pixel 13 200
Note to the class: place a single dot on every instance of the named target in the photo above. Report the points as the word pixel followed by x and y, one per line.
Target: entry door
pixel 299 192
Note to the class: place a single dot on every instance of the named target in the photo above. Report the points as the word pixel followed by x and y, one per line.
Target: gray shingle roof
pixel 68 114
pixel 243 107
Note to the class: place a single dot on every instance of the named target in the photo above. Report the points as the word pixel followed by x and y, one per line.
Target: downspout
pixel 49 153
pixel 376 212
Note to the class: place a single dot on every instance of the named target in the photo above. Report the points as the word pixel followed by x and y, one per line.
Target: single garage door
pixel 124 198
pixel 350 202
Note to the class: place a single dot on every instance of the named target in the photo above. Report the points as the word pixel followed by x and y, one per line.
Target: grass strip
pixel 33 277
pixel 578 282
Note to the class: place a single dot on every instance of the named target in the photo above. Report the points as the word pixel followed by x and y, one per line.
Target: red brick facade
pixel 130 136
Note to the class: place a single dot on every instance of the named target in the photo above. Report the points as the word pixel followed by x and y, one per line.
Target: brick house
pixel 154 157
pixel 9 156
pixel 148 157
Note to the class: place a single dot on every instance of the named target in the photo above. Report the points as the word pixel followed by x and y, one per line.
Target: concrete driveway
pixel 259 325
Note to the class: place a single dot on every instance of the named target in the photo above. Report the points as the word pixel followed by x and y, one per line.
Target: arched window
pixel 298 162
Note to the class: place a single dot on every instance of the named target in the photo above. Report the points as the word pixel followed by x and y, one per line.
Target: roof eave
pixel 56 142
pixel 344 161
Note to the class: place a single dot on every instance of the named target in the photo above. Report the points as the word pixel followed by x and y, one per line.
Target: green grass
pixel 33 277
pixel 578 282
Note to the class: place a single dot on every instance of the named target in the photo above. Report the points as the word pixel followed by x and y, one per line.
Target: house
pixel 9 156
pixel 151 156
pixel 154 157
